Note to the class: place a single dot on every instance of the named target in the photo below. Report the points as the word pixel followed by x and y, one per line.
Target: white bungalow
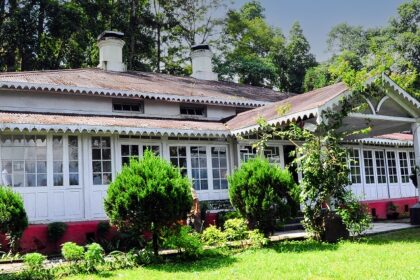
pixel 65 134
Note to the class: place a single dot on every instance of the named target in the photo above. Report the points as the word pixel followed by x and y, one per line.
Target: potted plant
pixel 391 211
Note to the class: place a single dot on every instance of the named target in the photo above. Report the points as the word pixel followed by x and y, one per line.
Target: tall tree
pixel 248 46
pixel 299 60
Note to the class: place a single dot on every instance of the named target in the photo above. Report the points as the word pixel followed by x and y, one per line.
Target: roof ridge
pixel 38 72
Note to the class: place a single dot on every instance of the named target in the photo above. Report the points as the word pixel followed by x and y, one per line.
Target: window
pixel 219 167
pixel 101 160
pixel 272 153
pixel 154 148
pixel 24 161
pixel 405 175
pixel 412 161
pixel 128 151
pixel 207 166
pixel 380 167
pixel 191 110
pixel 73 153
pixel 127 106
pixel 58 161
pixel 178 157
pixel 199 167
pixel 392 167
pixel 369 171
pixel 355 176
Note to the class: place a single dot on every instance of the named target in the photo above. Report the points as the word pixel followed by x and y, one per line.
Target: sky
pixel 317 17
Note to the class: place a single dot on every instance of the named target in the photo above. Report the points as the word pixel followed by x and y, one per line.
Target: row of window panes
pixel 199 168
pixel 386 166
pixel 101 160
pixel 132 151
pixel 24 161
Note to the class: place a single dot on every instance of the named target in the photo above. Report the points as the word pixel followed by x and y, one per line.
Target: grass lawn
pixel 387 256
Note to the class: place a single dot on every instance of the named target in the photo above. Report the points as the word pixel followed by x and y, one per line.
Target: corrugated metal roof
pixel 71 123
pixel 291 109
pixel 141 84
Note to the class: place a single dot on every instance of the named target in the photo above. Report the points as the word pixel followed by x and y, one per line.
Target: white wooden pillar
pixel 415 209
pixel 416 143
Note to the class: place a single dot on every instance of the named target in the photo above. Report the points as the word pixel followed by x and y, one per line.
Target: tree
pixel 262 193
pixel 248 47
pixel 13 218
pixel 148 195
pixel 316 77
pixel 298 61
pixel 322 160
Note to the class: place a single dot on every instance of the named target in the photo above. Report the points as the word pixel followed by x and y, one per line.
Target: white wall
pixel 76 104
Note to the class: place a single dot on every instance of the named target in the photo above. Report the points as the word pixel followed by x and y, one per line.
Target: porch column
pixel 415 209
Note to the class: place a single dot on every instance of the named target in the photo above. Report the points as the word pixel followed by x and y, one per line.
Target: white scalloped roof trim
pixel 401 91
pixel 126 93
pixel 382 141
pixel 279 121
pixel 112 130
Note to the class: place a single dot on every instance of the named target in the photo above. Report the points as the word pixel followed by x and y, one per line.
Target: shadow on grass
pixel 211 260
pixel 411 235
pixel 303 246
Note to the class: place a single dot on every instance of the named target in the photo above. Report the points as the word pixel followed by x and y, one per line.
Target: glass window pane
pixel 42 180
pixel 74 179
pixel 106 154
pixel 97 179
pixel 41 167
pixel 58 179
pixel 74 166
pixel 58 167
pixel 96 154
pixel 31 180
pixel 96 166
pixel 106 166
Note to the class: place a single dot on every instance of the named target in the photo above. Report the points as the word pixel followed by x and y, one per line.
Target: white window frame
pixel 208 146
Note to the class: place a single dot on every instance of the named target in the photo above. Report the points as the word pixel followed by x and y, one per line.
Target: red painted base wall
pixel 381 205
pixel 35 236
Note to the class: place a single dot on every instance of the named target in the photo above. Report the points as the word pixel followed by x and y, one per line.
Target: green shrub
pixel 72 252
pixel 236 229
pixel 148 195
pixel 355 215
pixel 93 257
pixel 186 241
pixel 257 239
pixel 13 218
pixel 34 261
pixel 120 260
pixel 34 267
pixel 212 236
pixel 56 231
pixel 226 215
pixel 263 193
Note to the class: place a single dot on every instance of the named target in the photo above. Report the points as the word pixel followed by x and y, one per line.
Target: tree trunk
pixel 158 49
pixel 155 243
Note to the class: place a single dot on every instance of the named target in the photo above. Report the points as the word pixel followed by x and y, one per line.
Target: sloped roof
pixel 392 139
pixel 73 123
pixel 292 109
pixel 141 84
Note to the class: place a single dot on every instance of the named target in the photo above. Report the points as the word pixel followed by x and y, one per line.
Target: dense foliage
pixel 360 53
pixel 323 161
pixel 263 193
pixel 13 218
pixel 259 54
pixel 148 195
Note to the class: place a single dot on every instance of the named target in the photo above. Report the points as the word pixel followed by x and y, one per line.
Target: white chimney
pixel 110 45
pixel 202 67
